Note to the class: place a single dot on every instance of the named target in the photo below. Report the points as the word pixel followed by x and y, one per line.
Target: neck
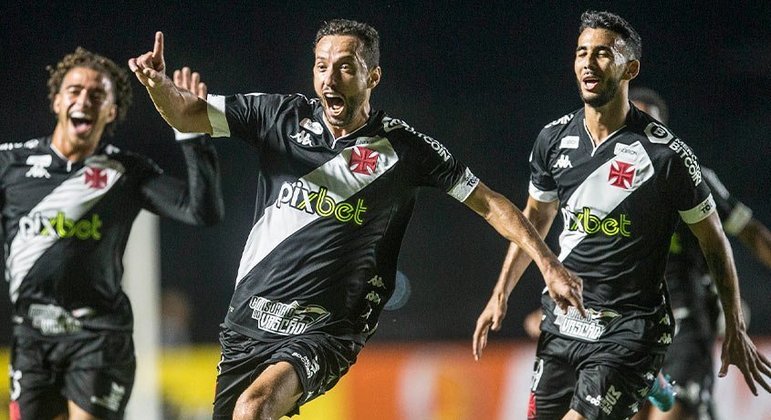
pixel 355 124
pixel 72 150
pixel 603 121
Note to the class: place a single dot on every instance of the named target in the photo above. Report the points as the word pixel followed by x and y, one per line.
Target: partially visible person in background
pixel 68 202
pixel 175 317
pixel 695 305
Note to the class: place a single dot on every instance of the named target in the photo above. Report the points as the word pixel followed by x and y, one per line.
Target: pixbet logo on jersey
pixel 299 197
pixel 585 221
pixel 61 226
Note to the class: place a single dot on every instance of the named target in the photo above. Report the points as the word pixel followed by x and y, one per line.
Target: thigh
pixel 554 378
pixel 101 375
pixel 613 381
pixel 35 387
pixel 319 360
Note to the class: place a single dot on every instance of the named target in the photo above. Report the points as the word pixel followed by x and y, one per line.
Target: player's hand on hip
pixel 490 318
pixel 150 67
pixel 191 81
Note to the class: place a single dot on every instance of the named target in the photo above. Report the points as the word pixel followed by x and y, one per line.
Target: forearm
pixel 527 243
pixel 197 201
pixel 719 257
pixel 182 109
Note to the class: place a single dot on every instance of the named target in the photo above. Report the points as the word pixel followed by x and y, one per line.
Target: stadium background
pixel 482 79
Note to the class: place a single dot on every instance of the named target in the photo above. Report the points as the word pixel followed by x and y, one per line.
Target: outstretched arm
pixel 738 349
pixel 527 245
pixel 180 107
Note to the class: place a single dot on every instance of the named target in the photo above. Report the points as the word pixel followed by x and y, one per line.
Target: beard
pixel 350 112
pixel 601 98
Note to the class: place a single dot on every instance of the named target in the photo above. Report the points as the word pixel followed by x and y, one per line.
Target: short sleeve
pixel 685 184
pixel 246 116
pixel 432 163
pixel 542 186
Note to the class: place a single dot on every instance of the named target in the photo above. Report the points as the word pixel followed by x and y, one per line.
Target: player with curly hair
pixel 68 201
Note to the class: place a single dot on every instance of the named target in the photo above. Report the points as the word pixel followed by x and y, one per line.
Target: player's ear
pixel 373 79
pixel 112 113
pixel 57 103
pixel 632 69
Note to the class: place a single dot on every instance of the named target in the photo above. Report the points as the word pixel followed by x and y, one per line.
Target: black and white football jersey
pixel 620 203
pixel 330 214
pixel 65 226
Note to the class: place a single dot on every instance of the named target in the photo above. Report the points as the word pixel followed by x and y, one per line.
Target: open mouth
pixel 335 103
pixel 81 122
pixel 590 83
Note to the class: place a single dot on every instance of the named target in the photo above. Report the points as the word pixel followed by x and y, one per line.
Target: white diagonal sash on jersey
pixel 602 198
pixel 74 198
pixel 278 224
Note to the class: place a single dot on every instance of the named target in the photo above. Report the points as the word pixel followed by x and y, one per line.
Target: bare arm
pixel 526 246
pixel 757 238
pixel 180 107
pixel 738 349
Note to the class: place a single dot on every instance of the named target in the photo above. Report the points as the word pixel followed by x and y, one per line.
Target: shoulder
pixel 560 128
pixel 128 159
pixel 16 151
pixel 400 133
pixel 28 145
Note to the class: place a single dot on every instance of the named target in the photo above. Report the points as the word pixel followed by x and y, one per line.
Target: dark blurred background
pixel 481 77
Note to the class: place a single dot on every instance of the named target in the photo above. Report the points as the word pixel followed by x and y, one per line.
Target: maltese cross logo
pixel 363 160
pixel 621 174
pixel 95 178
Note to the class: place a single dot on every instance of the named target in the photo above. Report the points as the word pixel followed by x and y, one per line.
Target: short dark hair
pixel 87 59
pixel 612 22
pixel 650 97
pixel 370 40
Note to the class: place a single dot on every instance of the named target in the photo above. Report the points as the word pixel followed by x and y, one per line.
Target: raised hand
pixel 150 67
pixel 191 81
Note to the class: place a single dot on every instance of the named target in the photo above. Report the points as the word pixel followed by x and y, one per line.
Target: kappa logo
pixel 96 178
pixel 563 162
pixel 621 174
pixel 363 160
pixel 39 164
pixel 302 137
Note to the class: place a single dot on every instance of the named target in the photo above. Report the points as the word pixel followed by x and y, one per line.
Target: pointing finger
pixel 158 47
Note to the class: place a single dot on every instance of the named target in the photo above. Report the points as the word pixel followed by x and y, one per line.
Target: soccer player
pixel 338 182
pixel 68 201
pixel 695 305
pixel 621 181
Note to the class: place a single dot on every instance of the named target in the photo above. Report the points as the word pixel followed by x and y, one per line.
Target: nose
pixel 84 98
pixel 330 78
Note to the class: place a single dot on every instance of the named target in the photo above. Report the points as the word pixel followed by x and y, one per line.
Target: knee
pixel 256 406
